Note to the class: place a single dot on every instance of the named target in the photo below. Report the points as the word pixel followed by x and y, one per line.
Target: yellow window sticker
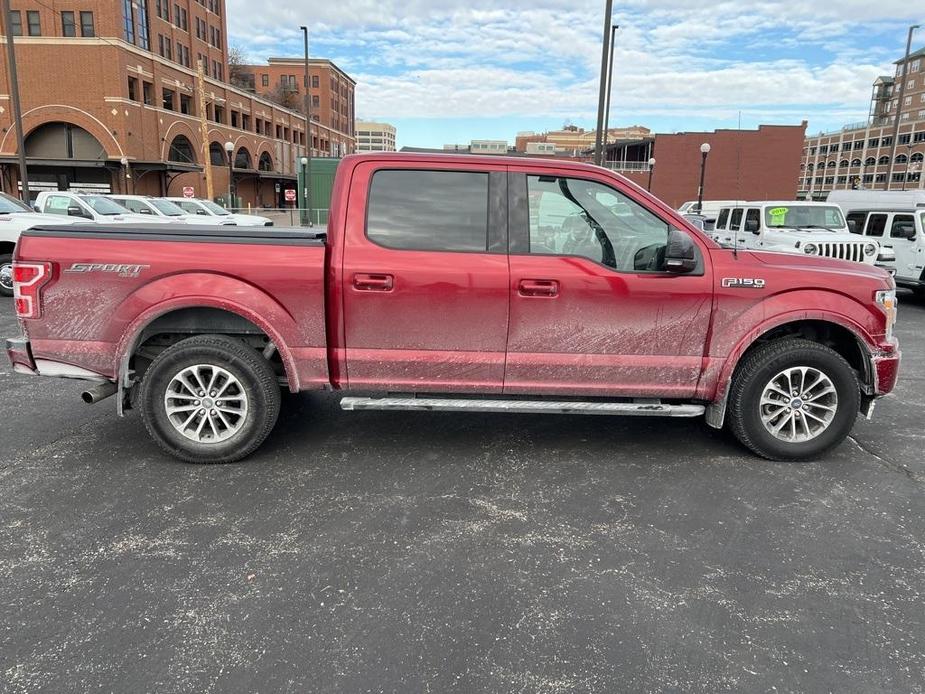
pixel 778 216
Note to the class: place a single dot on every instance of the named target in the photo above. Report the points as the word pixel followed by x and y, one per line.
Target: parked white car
pixel 904 232
pixel 15 217
pixel 155 207
pixel 96 208
pixel 216 214
pixel 808 228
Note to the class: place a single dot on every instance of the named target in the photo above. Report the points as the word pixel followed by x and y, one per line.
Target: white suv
pixel 216 214
pixel 904 232
pixel 807 228
pixel 96 208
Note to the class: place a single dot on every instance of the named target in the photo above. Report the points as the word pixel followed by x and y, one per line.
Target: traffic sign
pixel 290 194
pixel 189 192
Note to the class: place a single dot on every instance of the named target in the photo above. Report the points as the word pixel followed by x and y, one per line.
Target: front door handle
pixel 546 288
pixel 373 282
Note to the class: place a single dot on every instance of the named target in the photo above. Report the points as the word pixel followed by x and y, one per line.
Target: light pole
pixel 908 166
pixel 14 102
pixel 613 38
pixel 307 159
pixel 229 152
pixel 704 151
pixel 127 173
pixel 602 97
pixel 305 218
pixel 899 107
pixel 651 169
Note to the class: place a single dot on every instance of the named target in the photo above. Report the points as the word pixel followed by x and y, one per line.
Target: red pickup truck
pixel 458 283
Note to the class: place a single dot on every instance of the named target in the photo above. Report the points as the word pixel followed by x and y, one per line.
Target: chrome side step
pixel 642 409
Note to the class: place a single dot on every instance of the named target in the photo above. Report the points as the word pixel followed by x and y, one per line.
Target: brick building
pixel 572 140
pixel 742 165
pixel 864 154
pixel 110 103
pixel 282 80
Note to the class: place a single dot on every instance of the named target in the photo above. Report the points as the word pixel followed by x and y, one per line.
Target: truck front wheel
pixel 209 399
pixel 793 400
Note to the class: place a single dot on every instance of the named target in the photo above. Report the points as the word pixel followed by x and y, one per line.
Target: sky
pixel 449 71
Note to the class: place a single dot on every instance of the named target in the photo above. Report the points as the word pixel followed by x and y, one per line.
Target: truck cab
pixel 806 228
pixel 903 231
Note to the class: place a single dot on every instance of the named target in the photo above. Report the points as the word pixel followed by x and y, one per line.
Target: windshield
pixel 804 217
pixel 10 205
pixel 168 208
pixel 104 205
pixel 213 208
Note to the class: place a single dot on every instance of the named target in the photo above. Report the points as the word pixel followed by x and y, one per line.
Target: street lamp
pixel 229 150
pixel 651 169
pixel 305 218
pixel 704 151
pixel 126 172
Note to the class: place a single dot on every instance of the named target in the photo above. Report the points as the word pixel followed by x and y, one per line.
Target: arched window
pixel 883 160
pixel 832 164
pixel 843 162
pixel 265 163
pixel 870 161
pixel 217 154
pixel 242 159
pixel 855 162
pixel 810 166
pixel 181 150
pixel 917 157
pixel 902 159
pixel 60 140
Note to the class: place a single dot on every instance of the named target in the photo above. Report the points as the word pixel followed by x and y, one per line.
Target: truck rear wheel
pixel 209 399
pixel 6 274
pixel 793 400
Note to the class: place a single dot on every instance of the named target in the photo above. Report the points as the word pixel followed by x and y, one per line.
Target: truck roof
pixel 453 157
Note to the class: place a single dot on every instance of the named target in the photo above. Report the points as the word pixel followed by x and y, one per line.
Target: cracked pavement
pixel 434 552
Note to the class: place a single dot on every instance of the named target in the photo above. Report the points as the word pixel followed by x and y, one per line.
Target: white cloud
pixel 776 59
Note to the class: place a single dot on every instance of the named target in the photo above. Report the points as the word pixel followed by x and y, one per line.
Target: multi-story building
pixel 573 141
pixel 110 102
pixel 865 155
pixel 332 96
pixel 374 137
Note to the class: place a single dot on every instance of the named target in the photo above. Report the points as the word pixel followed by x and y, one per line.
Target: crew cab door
pixel 905 242
pixel 425 277
pixel 593 309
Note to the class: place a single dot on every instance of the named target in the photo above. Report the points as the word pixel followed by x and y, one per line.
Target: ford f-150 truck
pixel 465 284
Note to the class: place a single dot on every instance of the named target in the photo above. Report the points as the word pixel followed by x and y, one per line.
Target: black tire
pixel 257 381
pixel 6 263
pixel 757 370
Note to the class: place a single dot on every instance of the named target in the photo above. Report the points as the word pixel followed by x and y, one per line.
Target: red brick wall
pixel 761 164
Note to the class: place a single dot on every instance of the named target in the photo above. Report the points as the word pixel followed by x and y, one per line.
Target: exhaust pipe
pixel 101 391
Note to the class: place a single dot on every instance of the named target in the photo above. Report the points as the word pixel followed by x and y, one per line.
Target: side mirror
pixel 681 253
pixel 145 210
pixel 76 211
pixel 751 225
pixel 202 212
pixel 853 226
pixel 906 231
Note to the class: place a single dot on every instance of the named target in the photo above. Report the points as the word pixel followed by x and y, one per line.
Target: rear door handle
pixel 547 288
pixel 373 282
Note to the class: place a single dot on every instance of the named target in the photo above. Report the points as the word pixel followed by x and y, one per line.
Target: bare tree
pixel 285 96
pixel 237 75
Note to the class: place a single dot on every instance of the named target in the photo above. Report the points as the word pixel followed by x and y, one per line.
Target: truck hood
pixel 815 263
pixel 26 220
pixel 138 219
pixel 819 236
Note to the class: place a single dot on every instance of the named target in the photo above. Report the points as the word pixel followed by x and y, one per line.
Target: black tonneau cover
pixel 301 236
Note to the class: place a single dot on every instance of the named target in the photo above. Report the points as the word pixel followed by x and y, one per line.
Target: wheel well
pixel 178 325
pixel 831 335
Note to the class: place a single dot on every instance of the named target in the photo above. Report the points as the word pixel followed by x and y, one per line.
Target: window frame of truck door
pixel 519 220
pixel 496 238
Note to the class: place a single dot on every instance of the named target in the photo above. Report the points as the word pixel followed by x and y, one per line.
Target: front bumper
pixel 885 368
pixel 20 355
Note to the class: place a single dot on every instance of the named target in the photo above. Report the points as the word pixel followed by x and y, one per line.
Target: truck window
pixel 429 210
pixel 571 216
pixel 753 219
pixel 901 223
pixel 723 218
pixel 876 225
pixel 735 222
pixel 57 204
pixel 858 218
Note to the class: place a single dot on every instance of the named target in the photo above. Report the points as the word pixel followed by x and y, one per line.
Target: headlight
pixel 870 249
pixel 886 299
pixel 809 248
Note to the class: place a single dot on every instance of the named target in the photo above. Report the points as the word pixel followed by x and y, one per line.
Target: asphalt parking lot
pixel 440 552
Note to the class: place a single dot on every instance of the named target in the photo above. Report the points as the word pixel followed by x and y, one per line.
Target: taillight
pixel 28 280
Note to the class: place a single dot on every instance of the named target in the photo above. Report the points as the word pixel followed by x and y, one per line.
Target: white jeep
pixel 807 228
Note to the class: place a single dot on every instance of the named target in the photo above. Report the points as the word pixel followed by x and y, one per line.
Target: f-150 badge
pixel 743 283
pixel 120 269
